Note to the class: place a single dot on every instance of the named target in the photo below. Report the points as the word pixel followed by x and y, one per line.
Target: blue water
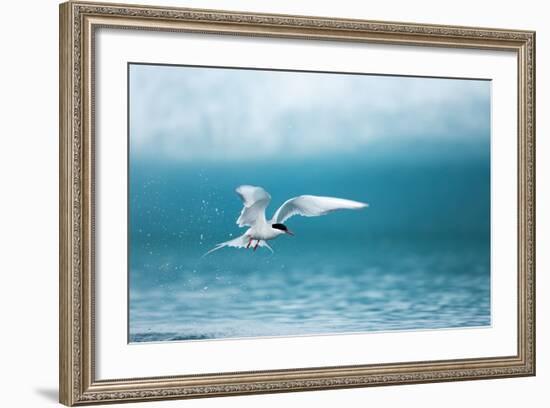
pixel 417 258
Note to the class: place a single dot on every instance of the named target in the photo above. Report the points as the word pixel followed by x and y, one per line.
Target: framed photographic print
pixel 256 203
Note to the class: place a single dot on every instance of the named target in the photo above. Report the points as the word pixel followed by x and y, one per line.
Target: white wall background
pixel 28 205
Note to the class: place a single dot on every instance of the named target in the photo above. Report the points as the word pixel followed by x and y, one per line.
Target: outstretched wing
pixel 255 201
pixel 313 206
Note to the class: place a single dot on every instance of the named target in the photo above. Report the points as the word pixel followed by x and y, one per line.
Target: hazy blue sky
pixel 195 114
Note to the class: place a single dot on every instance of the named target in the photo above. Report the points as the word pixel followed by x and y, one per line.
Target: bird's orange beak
pixel 290 232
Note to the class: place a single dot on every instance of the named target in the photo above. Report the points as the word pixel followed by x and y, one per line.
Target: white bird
pixel 255 201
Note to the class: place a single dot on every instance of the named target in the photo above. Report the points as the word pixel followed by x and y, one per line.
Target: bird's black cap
pixel 281 227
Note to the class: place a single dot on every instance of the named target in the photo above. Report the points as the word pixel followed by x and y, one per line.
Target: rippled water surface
pixel 256 294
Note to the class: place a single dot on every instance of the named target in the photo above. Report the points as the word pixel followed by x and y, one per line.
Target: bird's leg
pixel 249 242
pixel 257 243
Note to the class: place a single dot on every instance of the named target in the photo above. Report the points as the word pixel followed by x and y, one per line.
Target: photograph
pixel 279 200
pixel 267 203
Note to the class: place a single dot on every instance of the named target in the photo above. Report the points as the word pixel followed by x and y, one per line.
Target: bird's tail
pixel 239 242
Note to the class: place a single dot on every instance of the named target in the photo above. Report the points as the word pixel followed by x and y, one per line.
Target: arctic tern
pixel 255 201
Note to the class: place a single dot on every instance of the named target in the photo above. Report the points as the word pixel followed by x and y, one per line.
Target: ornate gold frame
pixel 78 21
